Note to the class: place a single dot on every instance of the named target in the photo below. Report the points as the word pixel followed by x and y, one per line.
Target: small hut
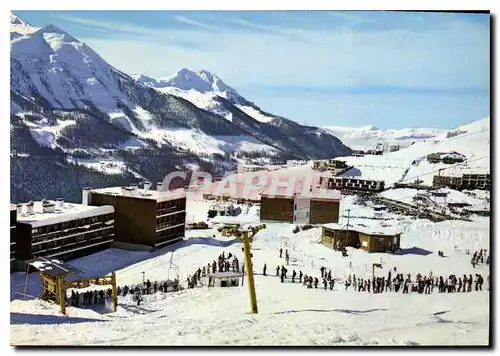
pixel 56 277
pixel 224 279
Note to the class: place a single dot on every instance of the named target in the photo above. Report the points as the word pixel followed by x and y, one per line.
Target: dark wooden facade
pixel 276 209
pixel 371 242
pixel 378 243
pixel 64 240
pixel 324 211
pixel 144 221
pixel 332 237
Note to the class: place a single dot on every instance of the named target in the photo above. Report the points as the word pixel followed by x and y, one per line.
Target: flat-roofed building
pixel 314 207
pixel 62 230
pixel 144 218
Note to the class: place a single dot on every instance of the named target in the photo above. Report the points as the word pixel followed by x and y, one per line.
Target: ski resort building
pixel 13 220
pixel 246 168
pixel 295 163
pixel 336 166
pixel 314 208
pixel 319 165
pixel 357 184
pixel 460 181
pixel 61 230
pixel 371 239
pixel 447 158
pixel 145 219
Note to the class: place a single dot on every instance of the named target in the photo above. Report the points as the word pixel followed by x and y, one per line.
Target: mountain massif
pixel 70 108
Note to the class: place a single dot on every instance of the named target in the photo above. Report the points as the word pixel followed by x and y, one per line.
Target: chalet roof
pixel 53 267
pixel 369 230
pixel 68 212
pixel 159 196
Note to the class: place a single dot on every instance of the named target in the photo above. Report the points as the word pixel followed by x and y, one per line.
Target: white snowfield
pixel 289 314
pixel 473 142
pixel 368 136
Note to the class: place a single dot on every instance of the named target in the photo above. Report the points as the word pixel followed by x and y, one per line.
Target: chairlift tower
pixel 246 236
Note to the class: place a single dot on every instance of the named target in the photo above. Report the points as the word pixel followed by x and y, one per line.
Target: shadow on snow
pixel 109 260
pixel 37 319
pixel 413 251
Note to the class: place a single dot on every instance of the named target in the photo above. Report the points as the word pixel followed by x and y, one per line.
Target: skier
pixel 316 281
pixel 138 298
pixel 324 283
pixel 330 275
pixel 287 259
pixel 294 274
pixel 469 283
pixel 310 282
pixel 305 279
pixel 277 271
pixel 332 282
pixel 322 269
pixel 281 253
pixel 300 276
pixel 264 269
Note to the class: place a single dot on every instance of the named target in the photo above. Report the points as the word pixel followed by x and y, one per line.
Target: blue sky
pixel 337 68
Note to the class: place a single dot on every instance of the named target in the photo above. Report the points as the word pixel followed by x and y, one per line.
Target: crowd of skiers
pixel 421 285
pixel 224 263
pixel 479 257
pixel 89 298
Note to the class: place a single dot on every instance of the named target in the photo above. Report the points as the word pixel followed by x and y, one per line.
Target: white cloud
pixel 457 56
pixel 188 21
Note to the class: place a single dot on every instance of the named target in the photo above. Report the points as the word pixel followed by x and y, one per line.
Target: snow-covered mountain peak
pixel 51 44
pixel 20 27
pixel 16 20
pixel 202 81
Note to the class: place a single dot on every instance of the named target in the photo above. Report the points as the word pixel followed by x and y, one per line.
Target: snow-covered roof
pixel 159 196
pixel 224 274
pixel 13 207
pixel 53 267
pixel 234 219
pixel 370 230
pixel 68 212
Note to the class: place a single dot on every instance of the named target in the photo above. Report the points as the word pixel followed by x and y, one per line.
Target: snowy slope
pixel 368 136
pixel 50 70
pixel 289 314
pixel 19 27
pixel 203 89
pixel 473 142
